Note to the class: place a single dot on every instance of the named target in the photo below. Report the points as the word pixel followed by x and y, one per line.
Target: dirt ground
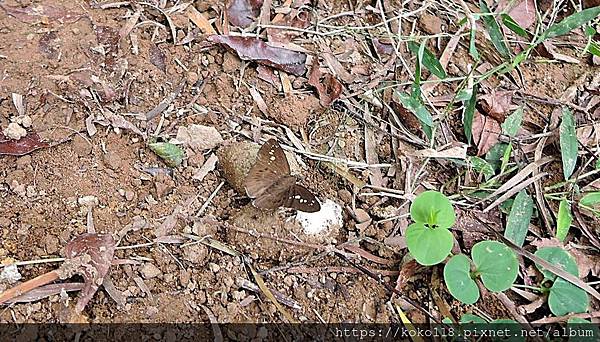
pixel 78 75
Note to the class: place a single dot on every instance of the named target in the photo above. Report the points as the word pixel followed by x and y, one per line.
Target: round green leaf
pixel 558 257
pixel 170 153
pixel 566 298
pixel 434 209
pixel 429 246
pixel 496 263
pixel 457 276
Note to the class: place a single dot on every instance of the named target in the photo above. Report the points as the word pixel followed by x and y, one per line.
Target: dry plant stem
pixel 266 236
pixel 28 286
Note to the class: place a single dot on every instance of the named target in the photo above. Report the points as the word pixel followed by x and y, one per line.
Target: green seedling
pixel 170 153
pixel 428 238
pixel 563 297
pixel 494 262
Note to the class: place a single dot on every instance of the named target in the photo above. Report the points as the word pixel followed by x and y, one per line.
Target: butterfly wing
pixel 300 198
pixel 277 195
pixel 271 165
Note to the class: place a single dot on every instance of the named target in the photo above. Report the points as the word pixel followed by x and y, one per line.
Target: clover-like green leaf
pixel 457 276
pixel 557 257
pixel 434 209
pixel 429 246
pixel 566 298
pixel 496 263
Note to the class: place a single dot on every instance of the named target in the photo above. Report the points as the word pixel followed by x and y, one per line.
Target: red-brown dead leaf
pixel 486 132
pixel 254 49
pixel 497 104
pixel 157 57
pixel 42 14
pixel 109 38
pixel 90 255
pixel 328 87
pixel 242 13
pixel 383 49
pixel 21 147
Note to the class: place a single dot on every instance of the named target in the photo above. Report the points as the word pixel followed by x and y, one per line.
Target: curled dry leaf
pixel 90 255
pixel 242 13
pixel 23 146
pixel 486 132
pixel 42 14
pixel 328 87
pixel 254 49
pixel 497 104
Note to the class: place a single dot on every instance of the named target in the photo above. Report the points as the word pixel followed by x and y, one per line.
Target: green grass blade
pixel 416 107
pixel 494 30
pixel 468 114
pixel 512 25
pixel 570 23
pixel 594 49
pixel 568 143
pixel 513 122
pixel 563 222
pixel 517 224
pixel 430 61
pixel 472 48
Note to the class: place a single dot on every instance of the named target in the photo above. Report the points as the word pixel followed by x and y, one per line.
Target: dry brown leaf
pixel 157 57
pixel 522 11
pixel 327 86
pixel 254 49
pixel 42 14
pixel 589 135
pixel 486 132
pixel 242 13
pixel 23 146
pixel 497 104
pixel 200 21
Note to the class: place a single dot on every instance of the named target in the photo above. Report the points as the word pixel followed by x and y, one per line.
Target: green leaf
pixel 171 154
pixel 576 326
pixel 566 298
pixel 430 61
pixel 594 49
pixel 568 143
pixel 494 30
pixel 512 25
pixel 570 23
pixel 457 276
pixel 416 107
pixel 468 115
pixel 472 48
pixel 564 219
pixel 557 257
pixel 496 263
pixel 517 224
pixel 470 318
pixel 513 122
pixel 482 166
pixel 434 209
pixel 429 246
pixel 590 199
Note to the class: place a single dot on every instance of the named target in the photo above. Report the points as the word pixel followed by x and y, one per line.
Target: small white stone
pixel 318 222
pixel 88 201
pixel 15 131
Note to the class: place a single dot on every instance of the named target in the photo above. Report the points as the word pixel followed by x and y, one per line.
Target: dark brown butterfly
pixel 272 186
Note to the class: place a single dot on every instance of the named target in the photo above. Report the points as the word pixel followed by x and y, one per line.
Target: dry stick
pixel 514 190
pixel 28 286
